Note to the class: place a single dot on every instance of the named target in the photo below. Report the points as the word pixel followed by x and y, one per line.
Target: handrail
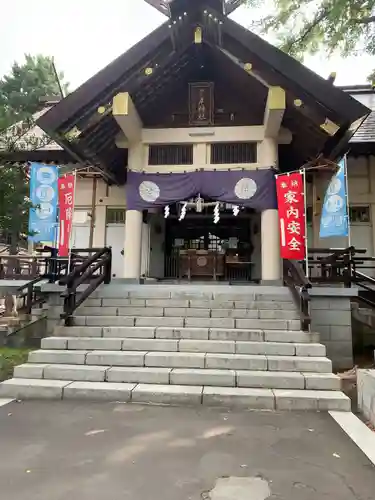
pixel 363 276
pixel 29 298
pixel 56 269
pixel 82 267
pixel 299 284
pixel 337 265
pixel 86 272
pixel 366 301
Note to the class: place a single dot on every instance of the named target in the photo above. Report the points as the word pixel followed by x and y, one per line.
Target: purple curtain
pixel 248 188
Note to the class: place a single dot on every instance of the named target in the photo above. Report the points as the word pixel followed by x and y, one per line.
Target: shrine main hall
pixel 182 136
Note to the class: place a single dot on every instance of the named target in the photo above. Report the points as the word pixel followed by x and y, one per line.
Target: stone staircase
pixel 172 344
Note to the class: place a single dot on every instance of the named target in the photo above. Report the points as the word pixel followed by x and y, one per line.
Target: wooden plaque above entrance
pixel 201 104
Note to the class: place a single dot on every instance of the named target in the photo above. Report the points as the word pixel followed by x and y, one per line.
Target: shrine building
pixel 177 143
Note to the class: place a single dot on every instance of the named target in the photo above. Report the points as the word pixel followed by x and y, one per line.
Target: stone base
pixel 366 393
pixel 272 282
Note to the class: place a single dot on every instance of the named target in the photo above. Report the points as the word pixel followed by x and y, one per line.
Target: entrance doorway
pixel 198 249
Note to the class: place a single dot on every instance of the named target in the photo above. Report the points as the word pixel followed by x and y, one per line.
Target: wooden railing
pixel 17 267
pixel 93 270
pixel 345 266
pixel 294 277
pixel 29 296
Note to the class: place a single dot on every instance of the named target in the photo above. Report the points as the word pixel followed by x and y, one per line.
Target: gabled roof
pixel 22 135
pixel 173 58
pixel 363 141
pixel 366 132
pixel 25 142
pixel 365 94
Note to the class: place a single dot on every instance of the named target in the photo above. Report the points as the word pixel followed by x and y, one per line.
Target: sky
pixel 86 35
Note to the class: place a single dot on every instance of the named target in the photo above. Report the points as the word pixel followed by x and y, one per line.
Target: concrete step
pixel 181 322
pixel 188 312
pixel 224 334
pixel 184 345
pixel 277 399
pixel 181 376
pixel 182 360
pixel 214 304
pixel 199 292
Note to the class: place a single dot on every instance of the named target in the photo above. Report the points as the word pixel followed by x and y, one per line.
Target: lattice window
pixel 359 214
pixel 170 154
pixel 233 152
pixel 115 215
pixel 196 244
pixel 214 243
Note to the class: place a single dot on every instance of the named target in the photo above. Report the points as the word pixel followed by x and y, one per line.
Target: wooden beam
pixel 274 111
pixel 126 115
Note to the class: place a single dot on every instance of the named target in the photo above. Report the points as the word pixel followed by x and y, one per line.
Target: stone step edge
pixel 295 345
pixel 299 334
pixel 276 399
pixel 198 355
pixel 234 295
pixel 258 362
pixel 311 380
pixel 264 306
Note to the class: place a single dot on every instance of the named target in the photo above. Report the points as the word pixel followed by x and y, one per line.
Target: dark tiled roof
pixel 366 95
pixel 366 132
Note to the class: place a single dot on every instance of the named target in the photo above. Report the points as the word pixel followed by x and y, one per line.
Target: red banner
pixel 291 205
pixel 66 210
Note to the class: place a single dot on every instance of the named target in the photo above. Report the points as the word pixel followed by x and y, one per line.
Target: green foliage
pixel 9 358
pixel 21 91
pixel 20 98
pixel 14 201
pixel 313 25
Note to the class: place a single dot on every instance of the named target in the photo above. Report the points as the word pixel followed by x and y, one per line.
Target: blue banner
pixel 334 219
pixel 43 196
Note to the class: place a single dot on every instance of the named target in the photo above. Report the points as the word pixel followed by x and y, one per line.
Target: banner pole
pixel 303 172
pixel 347 199
pixel 71 227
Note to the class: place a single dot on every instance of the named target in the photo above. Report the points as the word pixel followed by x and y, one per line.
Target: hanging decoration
pixel 292 220
pixel 183 212
pixel 335 213
pixel 43 196
pixel 251 189
pixel 217 213
pixel 167 211
pixel 236 210
pixel 199 203
pixel 66 186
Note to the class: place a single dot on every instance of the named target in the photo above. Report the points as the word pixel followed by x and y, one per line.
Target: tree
pixel 20 98
pixel 21 91
pixel 311 25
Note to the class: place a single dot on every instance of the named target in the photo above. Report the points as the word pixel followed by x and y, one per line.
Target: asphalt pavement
pixel 82 451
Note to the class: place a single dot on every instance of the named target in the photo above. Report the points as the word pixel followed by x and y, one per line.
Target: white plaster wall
pixel 106 196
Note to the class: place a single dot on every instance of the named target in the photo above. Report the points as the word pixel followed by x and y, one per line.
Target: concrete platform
pixel 89 451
